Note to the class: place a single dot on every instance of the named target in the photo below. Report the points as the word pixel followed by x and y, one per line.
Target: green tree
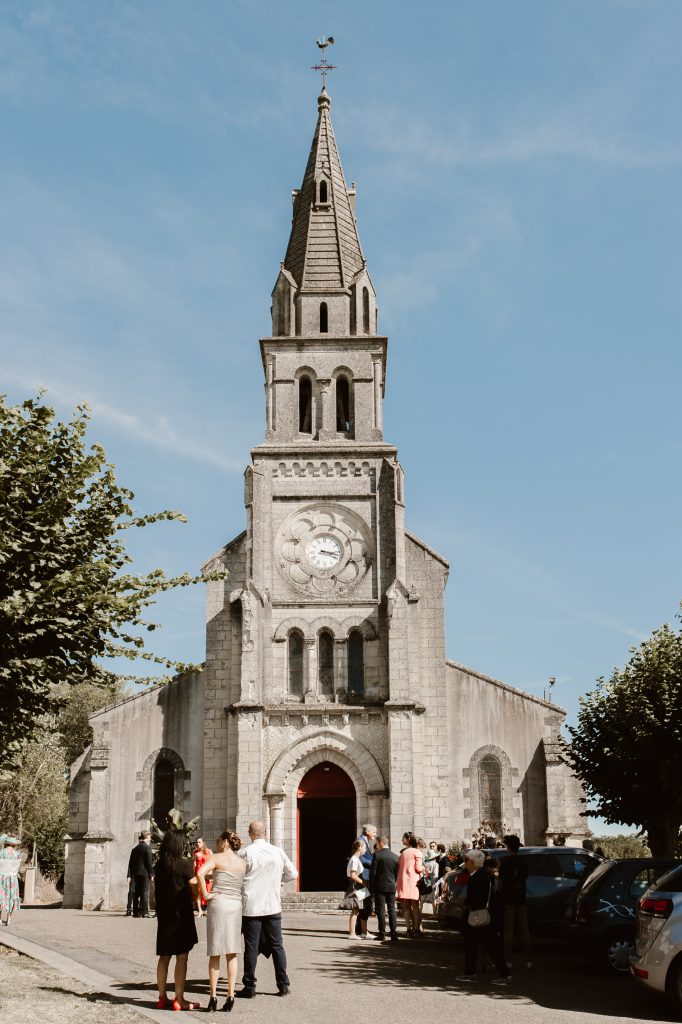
pixel 627 744
pixel 73 721
pixel 34 802
pixel 66 599
pixel 621 846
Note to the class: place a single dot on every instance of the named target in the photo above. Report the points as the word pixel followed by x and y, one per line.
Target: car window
pixel 545 865
pixel 575 865
pixel 671 882
pixel 640 882
pixel 595 877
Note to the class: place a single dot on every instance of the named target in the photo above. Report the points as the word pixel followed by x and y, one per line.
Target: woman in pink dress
pixel 410 870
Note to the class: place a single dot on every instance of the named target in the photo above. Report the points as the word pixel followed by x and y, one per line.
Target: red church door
pixel 326 828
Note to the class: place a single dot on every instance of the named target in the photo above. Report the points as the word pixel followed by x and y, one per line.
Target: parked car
pixel 657 957
pixel 601 913
pixel 553 874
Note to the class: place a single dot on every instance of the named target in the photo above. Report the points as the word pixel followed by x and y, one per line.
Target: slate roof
pixel 324 251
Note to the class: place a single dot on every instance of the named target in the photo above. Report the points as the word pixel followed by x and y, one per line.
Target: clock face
pixel 324 551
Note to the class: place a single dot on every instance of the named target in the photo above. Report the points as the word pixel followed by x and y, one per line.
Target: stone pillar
pixel 374 807
pixel 310 671
pixel 341 669
pixel 276 820
pixel 326 428
pixel 269 393
pixel 376 382
pixel 98 837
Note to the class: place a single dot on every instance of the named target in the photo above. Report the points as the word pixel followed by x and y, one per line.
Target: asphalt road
pixel 334 980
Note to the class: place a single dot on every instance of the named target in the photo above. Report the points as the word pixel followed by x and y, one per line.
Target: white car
pixel 657 957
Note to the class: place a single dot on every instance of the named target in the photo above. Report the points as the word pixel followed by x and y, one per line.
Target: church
pixel 326 699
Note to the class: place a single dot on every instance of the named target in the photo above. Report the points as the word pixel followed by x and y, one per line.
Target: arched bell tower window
pixel 323 192
pixel 325 663
pixel 365 310
pixel 164 791
pixel 295 658
pixel 356 664
pixel 305 405
pixel 343 418
pixel 490 788
pixel 324 318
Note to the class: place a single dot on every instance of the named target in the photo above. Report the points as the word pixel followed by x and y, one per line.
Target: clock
pixel 324 551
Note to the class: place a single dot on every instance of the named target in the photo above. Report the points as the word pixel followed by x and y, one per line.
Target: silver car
pixel 657 957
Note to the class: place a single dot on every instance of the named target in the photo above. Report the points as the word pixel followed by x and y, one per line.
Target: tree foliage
pixel 615 847
pixel 66 599
pixel 627 744
pixel 34 802
pixel 82 700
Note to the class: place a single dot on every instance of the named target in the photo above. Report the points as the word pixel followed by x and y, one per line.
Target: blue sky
pixel 520 206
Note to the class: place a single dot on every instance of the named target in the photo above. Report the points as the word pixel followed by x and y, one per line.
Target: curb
pixel 94 980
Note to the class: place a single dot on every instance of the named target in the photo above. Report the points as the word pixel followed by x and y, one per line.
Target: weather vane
pixel 323 66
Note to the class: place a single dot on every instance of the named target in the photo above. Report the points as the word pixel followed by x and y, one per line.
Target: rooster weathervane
pixel 323 67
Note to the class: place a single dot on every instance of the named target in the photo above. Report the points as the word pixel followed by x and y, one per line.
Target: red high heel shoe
pixel 163 1004
pixel 190 1006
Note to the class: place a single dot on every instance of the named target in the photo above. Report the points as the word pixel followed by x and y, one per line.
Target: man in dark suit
pixel 383 873
pixel 140 872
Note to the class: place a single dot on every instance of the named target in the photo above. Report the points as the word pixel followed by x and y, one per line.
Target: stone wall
pixel 486 717
pixel 112 787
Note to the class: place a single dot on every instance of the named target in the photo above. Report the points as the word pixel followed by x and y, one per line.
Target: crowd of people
pixel 239 889
pixel 493 893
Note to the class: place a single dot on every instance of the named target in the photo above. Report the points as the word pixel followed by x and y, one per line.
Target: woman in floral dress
pixel 10 859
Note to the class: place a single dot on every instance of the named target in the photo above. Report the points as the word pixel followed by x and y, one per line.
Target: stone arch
pixel 368 629
pixel 144 794
pixel 293 622
pixel 511 811
pixel 325 745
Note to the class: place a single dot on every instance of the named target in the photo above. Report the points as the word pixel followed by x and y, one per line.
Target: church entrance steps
pixel 307 902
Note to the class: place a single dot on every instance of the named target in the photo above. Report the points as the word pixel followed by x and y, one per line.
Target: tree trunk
pixel 663 835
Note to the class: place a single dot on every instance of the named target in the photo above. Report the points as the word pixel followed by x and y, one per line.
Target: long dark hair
pixel 172 850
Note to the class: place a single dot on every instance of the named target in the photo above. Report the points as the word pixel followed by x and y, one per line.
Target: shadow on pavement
pixel 559 980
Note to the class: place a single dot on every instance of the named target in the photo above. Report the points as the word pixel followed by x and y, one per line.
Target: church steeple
pixel 323 286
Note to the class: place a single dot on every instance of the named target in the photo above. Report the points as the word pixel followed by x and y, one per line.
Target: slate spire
pixel 324 252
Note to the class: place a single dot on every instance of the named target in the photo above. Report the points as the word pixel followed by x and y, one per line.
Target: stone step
pixel 304 902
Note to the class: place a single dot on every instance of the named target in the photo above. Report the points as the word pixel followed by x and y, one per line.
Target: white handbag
pixel 480 918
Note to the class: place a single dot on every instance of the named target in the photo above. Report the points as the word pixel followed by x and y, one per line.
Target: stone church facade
pixel 326 699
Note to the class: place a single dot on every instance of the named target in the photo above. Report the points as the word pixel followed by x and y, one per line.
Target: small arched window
pixel 325 663
pixel 356 664
pixel 164 791
pixel 305 405
pixel 323 192
pixel 342 404
pixel 365 310
pixel 324 318
pixel 353 310
pixel 295 658
pixel 490 788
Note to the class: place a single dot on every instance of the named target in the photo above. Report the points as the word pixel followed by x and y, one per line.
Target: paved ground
pixel 334 980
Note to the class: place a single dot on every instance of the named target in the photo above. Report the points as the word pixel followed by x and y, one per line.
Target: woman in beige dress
pixel 224 917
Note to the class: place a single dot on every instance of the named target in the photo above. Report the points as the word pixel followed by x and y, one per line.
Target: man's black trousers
pixel 263 933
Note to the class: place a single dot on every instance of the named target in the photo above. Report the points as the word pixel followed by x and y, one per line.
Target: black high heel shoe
pixel 229 1003
pixel 212 1004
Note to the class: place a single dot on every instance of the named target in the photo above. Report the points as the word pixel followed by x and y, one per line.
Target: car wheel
pixel 618 949
pixel 674 984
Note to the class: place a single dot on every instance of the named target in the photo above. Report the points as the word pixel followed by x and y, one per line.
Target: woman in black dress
pixel 176 932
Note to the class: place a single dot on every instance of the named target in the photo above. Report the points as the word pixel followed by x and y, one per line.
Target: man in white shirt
pixel 267 867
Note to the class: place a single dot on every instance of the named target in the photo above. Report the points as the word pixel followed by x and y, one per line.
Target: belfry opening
pixel 326 827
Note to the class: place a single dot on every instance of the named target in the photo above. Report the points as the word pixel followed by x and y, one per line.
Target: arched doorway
pixel 325 826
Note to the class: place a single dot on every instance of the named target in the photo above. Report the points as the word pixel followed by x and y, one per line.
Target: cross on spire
pixel 323 67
